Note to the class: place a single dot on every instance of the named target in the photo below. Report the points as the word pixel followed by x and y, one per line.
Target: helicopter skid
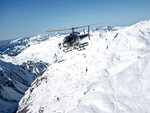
pixel 83 45
pixel 79 47
pixel 67 50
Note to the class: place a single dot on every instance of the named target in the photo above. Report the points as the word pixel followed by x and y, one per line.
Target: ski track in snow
pixel 111 76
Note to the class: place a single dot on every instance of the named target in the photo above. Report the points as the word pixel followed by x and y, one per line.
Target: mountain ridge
pixel 109 76
pixel 77 82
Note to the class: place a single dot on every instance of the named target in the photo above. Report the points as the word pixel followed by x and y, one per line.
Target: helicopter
pixel 73 40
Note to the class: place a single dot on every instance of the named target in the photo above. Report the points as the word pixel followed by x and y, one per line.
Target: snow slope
pixel 111 76
pixel 16 75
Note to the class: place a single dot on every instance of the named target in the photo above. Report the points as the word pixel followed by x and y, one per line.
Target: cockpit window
pixel 69 39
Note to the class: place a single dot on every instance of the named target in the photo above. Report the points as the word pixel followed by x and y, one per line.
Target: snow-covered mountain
pixel 111 76
pixel 17 75
pixel 15 46
pixel 14 81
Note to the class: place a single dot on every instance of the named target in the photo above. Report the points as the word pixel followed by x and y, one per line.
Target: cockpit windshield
pixel 69 39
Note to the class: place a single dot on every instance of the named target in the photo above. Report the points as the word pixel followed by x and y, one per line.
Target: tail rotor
pixel 84 31
pixel 89 32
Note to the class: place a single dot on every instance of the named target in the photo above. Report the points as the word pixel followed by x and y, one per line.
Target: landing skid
pixel 67 50
pixel 80 47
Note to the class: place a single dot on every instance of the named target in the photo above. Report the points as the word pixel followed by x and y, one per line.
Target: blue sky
pixel 23 18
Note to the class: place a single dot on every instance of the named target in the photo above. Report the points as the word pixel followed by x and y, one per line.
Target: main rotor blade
pixel 58 30
pixel 75 27
pixel 89 25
